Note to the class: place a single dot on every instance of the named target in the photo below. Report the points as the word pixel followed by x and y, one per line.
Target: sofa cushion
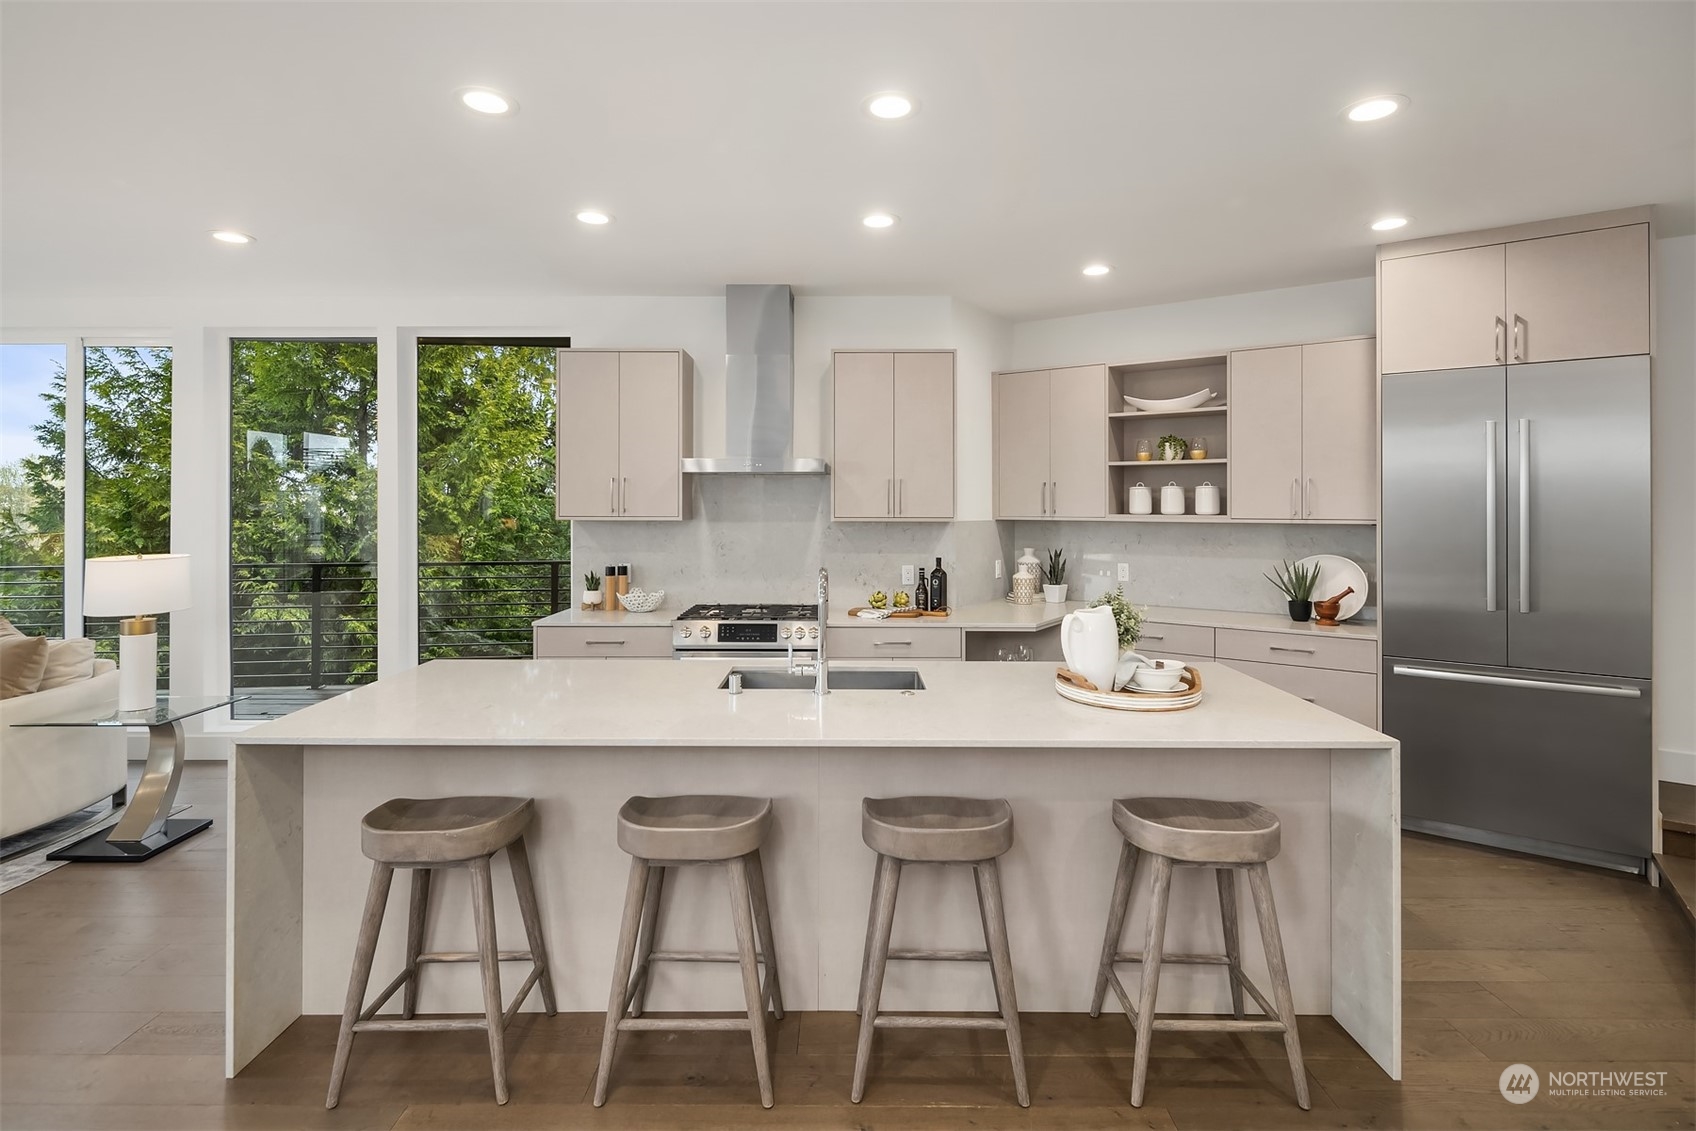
pixel 7 628
pixel 68 661
pixel 23 661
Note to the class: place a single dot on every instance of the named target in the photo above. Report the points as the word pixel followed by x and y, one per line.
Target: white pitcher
pixel 1089 639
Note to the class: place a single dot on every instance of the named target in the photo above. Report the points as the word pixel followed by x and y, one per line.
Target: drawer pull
pixel 1151 636
pixel 892 644
pixel 608 643
pixel 1308 699
pixel 1281 648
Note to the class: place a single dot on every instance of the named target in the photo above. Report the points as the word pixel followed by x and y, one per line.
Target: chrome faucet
pixel 821 667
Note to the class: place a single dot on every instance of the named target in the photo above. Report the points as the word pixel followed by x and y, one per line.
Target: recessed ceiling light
pixel 891 104
pixel 226 235
pixel 486 101
pixel 1389 223
pixel 878 220
pixel 1378 106
pixel 594 216
pixel 1095 269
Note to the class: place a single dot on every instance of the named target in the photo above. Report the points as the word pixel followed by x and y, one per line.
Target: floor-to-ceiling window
pixel 126 468
pixel 303 521
pixel 32 487
pixel 491 555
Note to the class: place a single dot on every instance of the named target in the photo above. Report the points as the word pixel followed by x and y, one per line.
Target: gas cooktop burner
pixel 750 612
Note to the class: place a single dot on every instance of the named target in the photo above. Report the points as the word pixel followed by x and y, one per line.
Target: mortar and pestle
pixel 1326 611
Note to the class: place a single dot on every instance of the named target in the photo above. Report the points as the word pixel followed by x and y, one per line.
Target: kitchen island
pixel 580 736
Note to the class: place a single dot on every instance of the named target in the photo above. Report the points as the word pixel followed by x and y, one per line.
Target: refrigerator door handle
pixel 1524 515
pixel 1490 492
pixel 1526 684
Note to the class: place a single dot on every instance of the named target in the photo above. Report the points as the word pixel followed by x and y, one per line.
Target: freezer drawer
pixel 1560 759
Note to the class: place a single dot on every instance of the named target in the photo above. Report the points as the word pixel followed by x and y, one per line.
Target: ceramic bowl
pixel 1171 404
pixel 641 601
pixel 1158 675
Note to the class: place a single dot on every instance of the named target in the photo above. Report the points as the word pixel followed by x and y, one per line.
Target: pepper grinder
pixel 609 589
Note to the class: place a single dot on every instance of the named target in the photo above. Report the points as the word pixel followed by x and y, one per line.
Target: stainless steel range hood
pixel 759 386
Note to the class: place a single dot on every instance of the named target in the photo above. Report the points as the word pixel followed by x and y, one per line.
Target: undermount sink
pixel 840 679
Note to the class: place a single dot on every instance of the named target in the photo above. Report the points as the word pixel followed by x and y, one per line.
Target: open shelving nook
pixel 1164 380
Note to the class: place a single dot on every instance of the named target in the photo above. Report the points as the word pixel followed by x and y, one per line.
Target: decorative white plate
pixel 1171 404
pixel 1335 575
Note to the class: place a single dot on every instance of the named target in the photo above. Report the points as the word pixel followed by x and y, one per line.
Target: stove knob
pixel 784 632
pixel 813 633
pixel 706 631
pixel 686 632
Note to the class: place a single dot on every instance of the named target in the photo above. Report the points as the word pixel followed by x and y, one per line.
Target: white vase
pixel 1054 594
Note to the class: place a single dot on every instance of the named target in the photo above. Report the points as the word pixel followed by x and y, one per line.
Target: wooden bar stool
pixel 669 832
pixel 427 835
pixel 1227 836
pixel 937 830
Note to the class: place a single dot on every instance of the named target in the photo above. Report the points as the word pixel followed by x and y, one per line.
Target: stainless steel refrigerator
pixel 1516 605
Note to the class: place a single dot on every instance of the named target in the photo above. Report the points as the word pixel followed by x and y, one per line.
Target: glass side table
pixel 146 828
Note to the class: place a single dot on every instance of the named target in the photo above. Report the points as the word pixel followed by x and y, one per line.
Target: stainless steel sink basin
pixel 841 679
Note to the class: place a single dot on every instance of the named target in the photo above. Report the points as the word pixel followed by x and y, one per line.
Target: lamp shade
pixel 135 585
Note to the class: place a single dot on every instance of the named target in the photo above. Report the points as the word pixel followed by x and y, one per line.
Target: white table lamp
pixel 136 587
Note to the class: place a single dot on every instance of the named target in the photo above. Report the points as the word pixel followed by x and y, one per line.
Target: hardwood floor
pixel 111 999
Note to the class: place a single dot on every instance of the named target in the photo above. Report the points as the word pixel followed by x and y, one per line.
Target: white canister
pixel 1171 499
pixel 1139 500
pixel 1207 499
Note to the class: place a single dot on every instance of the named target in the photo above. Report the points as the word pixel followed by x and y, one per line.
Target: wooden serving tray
pixel 900 614
pixel 1075 687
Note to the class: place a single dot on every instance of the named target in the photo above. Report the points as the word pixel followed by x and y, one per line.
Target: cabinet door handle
pixel 1501 339
pixel 1525 516
pixel 612 495
pixel 1489 516
pixel 1308 699
pixel 1295 507
pixel 889 496
pixel 1519 338
pixel 1045 496
pixel 624 498
pixel 1281 648
pixel 1053 496
pixel 900 496
pixel 1307 500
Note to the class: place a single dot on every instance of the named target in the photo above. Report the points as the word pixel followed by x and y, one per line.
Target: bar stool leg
pixel 376 900
pixel 883 918
pixel 741 908
pixel 417 911
pixel 871 935
pixel 1227 880
pixel 488 960
pixel 1121 903
pixel 1151 955
pixel 988 873
pixel 646 933
pixel 983 921
pixel 518 856
pixel 634 899
pixel 1260 885
pixel 762 924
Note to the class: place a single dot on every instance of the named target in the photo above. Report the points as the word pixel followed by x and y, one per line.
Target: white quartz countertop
pixel 671 703
pixel 1004 616
pixel 600 618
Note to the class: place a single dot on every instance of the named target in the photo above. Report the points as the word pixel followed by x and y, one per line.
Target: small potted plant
pixel 591 585
pixel 1126 616
pixel 1054 578
pixel 1296 581
pixel 1173 447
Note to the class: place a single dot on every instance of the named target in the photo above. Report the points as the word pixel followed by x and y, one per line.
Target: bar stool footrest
pixel 940 955
pixel 935 1021
pixel 472 956
pixel 417 1024
pixel 682 1024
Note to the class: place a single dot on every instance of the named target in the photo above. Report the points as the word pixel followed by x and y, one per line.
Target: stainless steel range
pixel 745 631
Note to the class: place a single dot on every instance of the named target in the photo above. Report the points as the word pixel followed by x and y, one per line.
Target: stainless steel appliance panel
pixel 1551 758
pixel 1578 517
pixel 1444 570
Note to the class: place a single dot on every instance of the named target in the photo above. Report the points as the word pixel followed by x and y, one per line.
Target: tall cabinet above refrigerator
pixel 1515 579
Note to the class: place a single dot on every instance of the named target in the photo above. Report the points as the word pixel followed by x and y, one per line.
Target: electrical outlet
pixel 998 569
pixel 1124 571
pixel 906 575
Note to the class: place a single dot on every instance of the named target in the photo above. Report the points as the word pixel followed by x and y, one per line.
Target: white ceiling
pixel 1197 147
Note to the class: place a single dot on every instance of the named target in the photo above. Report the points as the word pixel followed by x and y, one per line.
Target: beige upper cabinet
pixel 1339 431
pixel 1265 442
pixel 1051 443
pixel 625 423
pixel 1551 298
pixel 893 425
pixel 1443 310
pixel 1581 295
pixel 1304 433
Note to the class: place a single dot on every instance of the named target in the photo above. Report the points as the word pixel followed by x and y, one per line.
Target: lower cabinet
pixel 884 641
pixel 1353 695
pixel 1337 673
pixel 647 642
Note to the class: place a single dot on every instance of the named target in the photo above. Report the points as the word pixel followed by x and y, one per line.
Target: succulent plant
pixel 591 582
pixel 1295 580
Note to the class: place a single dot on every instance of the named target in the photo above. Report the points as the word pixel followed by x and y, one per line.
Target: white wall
pixel 1263 318
pixel 1675 508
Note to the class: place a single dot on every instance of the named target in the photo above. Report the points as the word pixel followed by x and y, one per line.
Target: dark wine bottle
pixel 921 595
pixel 938 588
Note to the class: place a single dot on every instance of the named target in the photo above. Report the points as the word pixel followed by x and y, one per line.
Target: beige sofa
pixel 47 772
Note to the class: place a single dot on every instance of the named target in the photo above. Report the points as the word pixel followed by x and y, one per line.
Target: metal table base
pixel 146 828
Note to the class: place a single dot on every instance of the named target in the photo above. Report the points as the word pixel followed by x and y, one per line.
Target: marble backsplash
pixel 763 538
pixel 1204 565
